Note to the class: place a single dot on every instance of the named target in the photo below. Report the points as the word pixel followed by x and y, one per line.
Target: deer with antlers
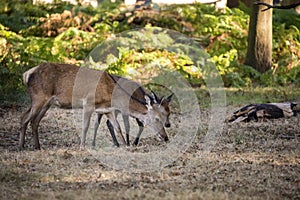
pixel 72 87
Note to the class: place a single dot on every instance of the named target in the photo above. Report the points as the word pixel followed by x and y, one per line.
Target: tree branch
pixel 277 7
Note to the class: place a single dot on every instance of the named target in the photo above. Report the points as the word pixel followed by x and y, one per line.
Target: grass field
pixel 255 160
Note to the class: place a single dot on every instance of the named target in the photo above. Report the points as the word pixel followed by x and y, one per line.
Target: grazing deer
pixel 137 94
pixel 70 87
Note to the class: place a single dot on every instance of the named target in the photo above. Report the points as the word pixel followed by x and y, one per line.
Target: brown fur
pixel 69 86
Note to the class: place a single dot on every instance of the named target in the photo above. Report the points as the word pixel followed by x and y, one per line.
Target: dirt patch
pixel 256 160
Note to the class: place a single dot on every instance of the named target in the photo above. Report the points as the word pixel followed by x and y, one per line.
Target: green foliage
pixel 147 53
pixel 18 54
pixel 287 17
pixel 286 49
pixel 132 63
pixel 234 74
pixel 61 32
pixel 225 37
pixel 18 15
pixel 74 44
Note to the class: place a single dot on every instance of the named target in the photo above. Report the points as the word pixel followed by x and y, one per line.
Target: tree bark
pixel 259 51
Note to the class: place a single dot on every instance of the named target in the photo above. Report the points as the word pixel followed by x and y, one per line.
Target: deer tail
pixel 27 74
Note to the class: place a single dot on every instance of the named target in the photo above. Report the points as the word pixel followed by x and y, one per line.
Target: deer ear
pixel 154 96
pixel 169 98
pixel 161 100
pixel 148 102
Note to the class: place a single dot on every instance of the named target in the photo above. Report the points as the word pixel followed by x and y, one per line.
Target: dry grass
pixel 256 160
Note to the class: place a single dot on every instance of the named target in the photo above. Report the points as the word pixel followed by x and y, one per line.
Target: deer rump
pixel 69 86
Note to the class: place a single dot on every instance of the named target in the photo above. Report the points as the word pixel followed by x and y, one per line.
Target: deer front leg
pixel 127 127
pixel 97 123
pixel 141 128
pixel 112 133
pixel 87 113
pixel 116 125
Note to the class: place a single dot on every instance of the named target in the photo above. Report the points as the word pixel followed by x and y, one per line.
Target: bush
pixel 61 32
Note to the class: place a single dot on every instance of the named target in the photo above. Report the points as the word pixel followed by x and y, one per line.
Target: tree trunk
pixel 259 52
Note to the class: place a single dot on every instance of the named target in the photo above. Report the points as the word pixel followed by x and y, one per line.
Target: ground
pixel 255 160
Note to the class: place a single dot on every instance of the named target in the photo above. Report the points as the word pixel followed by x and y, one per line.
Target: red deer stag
pixel 139 93
pixel 70 87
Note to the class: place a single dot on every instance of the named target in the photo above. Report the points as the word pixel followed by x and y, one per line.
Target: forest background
pixel 63 32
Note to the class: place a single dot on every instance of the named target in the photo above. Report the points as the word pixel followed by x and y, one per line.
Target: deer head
pixel 164 108
pixel 156 117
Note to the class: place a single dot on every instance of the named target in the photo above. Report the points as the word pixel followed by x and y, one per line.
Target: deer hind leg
pixel 34 114
pixel 25 119
pixel 141 128
pixel 116 125
pixel 35 124
pixel 96 126
pixel 127 127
